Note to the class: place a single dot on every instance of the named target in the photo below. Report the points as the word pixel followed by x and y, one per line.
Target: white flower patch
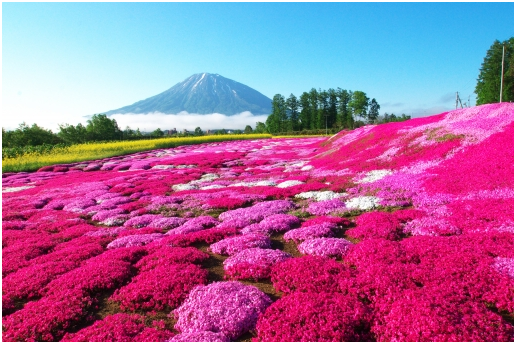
pixel 373 176
pixel 209 177
pixel 388 154
pixel 16 188
pixel 289 183
pixel 165 167
pixel 162 167
pixel 258 183
pixel 363 202
pixel 307 168
pixel 214 186
pixel 182 187
pixel 320 195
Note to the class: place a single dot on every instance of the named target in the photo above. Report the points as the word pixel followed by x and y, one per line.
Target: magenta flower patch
pixel 163 287
pixel 315 317
pixel 117 328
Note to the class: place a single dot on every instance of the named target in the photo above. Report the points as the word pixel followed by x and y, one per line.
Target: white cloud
pixel 185 120
pixel 146 122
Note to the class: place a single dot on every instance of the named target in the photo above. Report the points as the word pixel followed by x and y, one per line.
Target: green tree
pixel 261 128
pixel 314 108
pixel 332 108
pixel 248 129
pixel 272 123
pixel 101 128
pixel 157 133
pixel 73 134
pixel 304 115
pixel 323 110
pixel 277 120
pixel 344 116
pixel 374 111
pixel 292 106
pixel 489 78
pixel 128 133
pixel 26 135
pixel 358 104
pixel 198 131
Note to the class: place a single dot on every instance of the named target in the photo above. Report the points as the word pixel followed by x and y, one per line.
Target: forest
pixel 332 109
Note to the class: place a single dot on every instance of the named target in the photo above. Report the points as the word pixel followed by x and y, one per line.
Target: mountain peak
pixel 203 93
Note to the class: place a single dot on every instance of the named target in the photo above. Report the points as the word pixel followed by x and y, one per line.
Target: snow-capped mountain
pixel 203 93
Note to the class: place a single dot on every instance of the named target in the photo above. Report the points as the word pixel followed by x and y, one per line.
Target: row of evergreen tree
pixel 321 109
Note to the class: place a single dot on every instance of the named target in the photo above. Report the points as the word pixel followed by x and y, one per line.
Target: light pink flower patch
pixel 231 246
pixel 229 308
pixel 325 247
pixel 254 263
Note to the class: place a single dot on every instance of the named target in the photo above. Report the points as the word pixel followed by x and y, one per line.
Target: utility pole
pixel 457 101
pixel 501 78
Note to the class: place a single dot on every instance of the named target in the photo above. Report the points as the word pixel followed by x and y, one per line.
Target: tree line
pixel 334 109
pixel 489 80
pixel 99 128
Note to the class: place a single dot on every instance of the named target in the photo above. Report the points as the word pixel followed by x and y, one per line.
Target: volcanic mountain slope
pixel 203 93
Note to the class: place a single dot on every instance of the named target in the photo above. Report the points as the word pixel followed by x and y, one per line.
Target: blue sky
pixel 63 61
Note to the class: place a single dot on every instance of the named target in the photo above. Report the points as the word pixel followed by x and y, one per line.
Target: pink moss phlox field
pixel 338 221
pixel 326 207
pixel 428 204
pixel 428 314
pixel 376 224
pixel 321 230
pixel 231 246
pixel 245 216
pixel 253 263
pixel 119 328
pixel 315 317
pixel 229 308
pixel 279 223
pixel 208 236
pixel 309 274
pixel 134 240
pixel 47 319
pixel 28 282
pixel 163 287
pixel 194 225
pixel 167 255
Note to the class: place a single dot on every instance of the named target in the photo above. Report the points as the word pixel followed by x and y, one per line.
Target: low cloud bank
pixel 185 120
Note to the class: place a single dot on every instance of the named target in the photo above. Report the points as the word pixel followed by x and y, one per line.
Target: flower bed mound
pixel 229 308
pixel 315 317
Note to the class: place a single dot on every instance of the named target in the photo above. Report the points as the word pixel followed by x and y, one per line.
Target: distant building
pixel 170 132
pixel 185 131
